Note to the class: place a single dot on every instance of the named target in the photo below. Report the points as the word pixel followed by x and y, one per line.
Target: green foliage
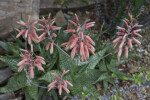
pixel 65 62
pixel 138 78
pixel 97 37
pixel 27 96
pixel 11 48
pixel 109 71
pixel 147 71
pixel 116 96
pixel 84 95
pixel 11 62
pixel 139 2
pixel 32 90
pixel 3 45
pixel 54 94
pixel 84 82
pixel 14 83
pixel 83 77
pixel 99 54
pixel 48 76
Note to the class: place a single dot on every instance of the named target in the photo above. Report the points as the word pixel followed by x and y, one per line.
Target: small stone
pixel 149 54
pixel 60 19
pixel 87 12
pixel 67 16
pixel 7 96
pixel 5 74
pixel 133 70
pixel 70 13
pixel 145 60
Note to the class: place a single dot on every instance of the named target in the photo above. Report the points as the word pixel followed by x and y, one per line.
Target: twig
pixel 44 87
pixel 61 49
pixel 99 58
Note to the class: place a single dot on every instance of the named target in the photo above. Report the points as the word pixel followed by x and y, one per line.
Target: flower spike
pixel 60 83
pixel 79 43
pixel 28 60
pixel 126 35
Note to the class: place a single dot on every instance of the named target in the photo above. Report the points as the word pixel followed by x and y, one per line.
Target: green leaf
pixel 112 68
pixel 105 84
pixel 65 62
pixel 146 4
pixel 27 96
pixel 14 48
pixel 11 62
pixel 102 66
pixel 84 81
pixel 14 83
pixel 104 76
pixel 114 75
pixel 32 91
pixel 49 77
pixel 139 2
pixel 3 45
pixel 55 95
pixel 10 47
pixel 99 54
pixel 51 63
pixel 123 77
pixel 41 92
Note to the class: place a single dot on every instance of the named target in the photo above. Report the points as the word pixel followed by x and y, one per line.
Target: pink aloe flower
pixel 28 60
pixel 60 83
pixel 126 35
pixel 79 43
pixel 28 30
pixel 47 28
pixel 79 26
pixel 51 45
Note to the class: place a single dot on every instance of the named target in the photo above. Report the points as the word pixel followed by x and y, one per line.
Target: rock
pixel 71 4
pixel 148 48
pixel 18 98
pixel 67 17
pixel 149 54
pixel 99 88
pixel 7 96
pixel 70 13
pixel 87 12
pixel 133 70
pixel 12 10
pixel 4 74
pixel 60 19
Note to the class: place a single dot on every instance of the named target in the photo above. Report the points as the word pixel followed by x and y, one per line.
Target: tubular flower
pixel 47 28
pixel 51 45
pixel 60 83
pixel 79 43
pixel 28 60
pixel 126 35
pixel 79 27
pixel 28 31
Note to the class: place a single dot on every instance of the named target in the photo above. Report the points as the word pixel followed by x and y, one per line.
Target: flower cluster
pixel 48 28
pixel 126 36
pixel 60 83
pixel 79 43
pixel 27 59
pixel 28 30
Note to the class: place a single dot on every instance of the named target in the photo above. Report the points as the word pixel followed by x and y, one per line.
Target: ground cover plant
pixel 50 61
